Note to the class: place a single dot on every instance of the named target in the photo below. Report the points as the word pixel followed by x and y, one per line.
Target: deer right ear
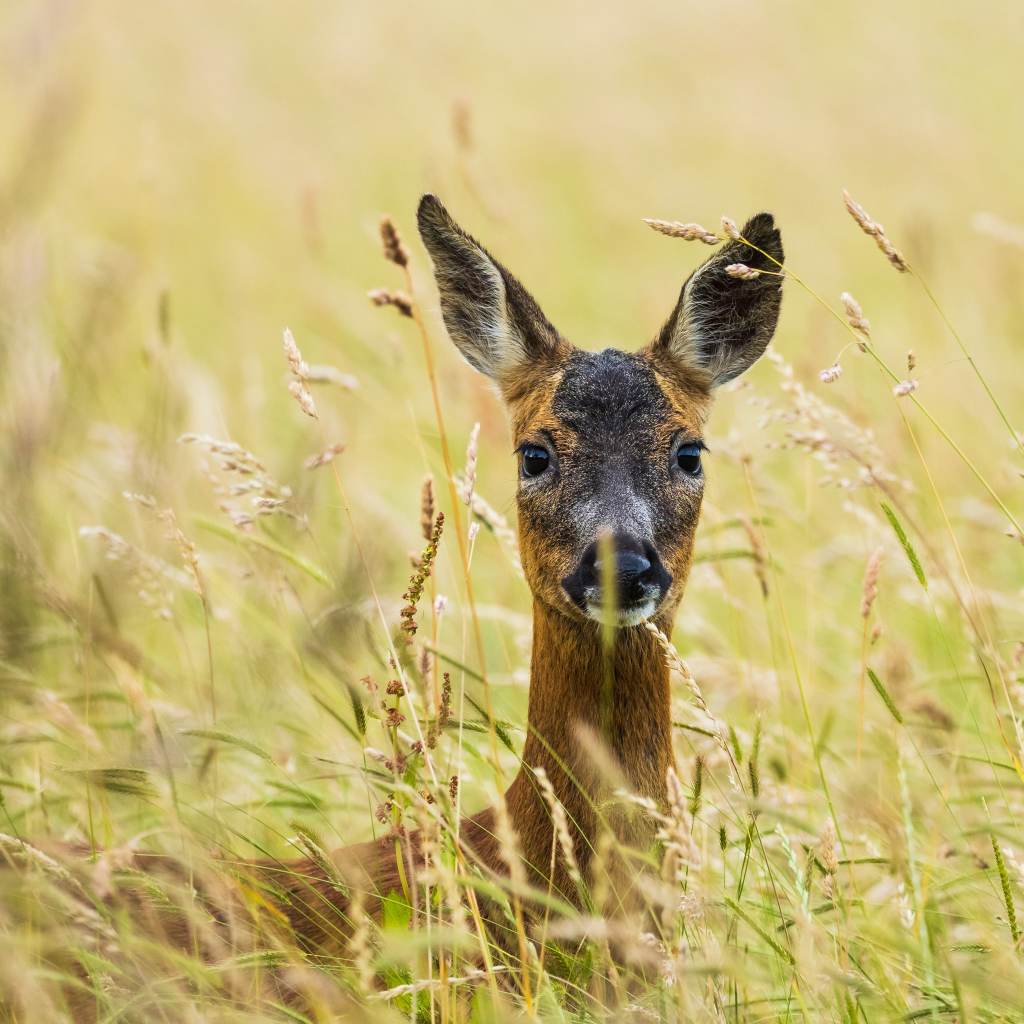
pixel 493 320
pixel 725 317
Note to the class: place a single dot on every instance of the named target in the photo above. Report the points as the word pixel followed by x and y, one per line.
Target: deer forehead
pixel 612 402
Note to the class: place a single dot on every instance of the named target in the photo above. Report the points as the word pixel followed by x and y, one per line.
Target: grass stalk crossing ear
pixel 492 319
pixel 728 308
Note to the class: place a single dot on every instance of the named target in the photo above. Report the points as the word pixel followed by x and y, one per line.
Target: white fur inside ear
pixel 502 349
pixel 691 342
pixel 723 323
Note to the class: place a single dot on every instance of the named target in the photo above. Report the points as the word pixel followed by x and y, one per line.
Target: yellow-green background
pixel 228 163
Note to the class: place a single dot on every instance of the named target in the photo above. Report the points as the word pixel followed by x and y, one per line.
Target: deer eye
pixel 688 458
pixel 534 459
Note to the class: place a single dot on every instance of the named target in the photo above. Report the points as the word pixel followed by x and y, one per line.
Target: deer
pixel 610 478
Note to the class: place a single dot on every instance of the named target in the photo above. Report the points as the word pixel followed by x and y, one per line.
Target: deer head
pixel 608 443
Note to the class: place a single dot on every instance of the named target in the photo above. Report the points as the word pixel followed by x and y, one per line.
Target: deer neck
pixel 593 714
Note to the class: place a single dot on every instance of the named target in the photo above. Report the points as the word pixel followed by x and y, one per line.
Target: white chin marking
pixel 625 616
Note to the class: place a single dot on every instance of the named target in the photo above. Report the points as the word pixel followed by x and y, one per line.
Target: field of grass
pixel 186 626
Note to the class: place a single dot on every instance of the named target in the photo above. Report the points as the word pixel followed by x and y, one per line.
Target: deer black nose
pixel 630 566
pixel 637 572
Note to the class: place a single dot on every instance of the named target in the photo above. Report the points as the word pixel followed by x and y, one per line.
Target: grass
pixel 213 683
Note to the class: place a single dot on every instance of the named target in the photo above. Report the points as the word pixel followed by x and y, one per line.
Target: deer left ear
pixel 723 322
pixel 493 320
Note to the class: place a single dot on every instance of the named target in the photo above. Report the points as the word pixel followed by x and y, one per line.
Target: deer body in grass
pixel 610 481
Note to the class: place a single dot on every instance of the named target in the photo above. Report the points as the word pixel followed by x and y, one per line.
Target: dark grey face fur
pixel 614 475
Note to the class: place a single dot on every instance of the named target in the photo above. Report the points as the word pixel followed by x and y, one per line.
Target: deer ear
pixel 723 323
pixel 491 317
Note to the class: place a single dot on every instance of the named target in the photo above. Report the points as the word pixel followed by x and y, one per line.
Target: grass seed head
pixel 855 316
pixel 394 247
pixel 729 229
pixel 869 589
pixel 428 508
pixel 304 398
pixel 300 374
pixel 324 457
pixel 420 577
pixel 875 231
pixel 296 363
pixel 469 476
pixel 391 297
pixel 561 825
pixel 688 232
pixel 186 548
pixel 742 271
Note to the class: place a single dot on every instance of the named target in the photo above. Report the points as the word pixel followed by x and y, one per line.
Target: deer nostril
pixel 630 567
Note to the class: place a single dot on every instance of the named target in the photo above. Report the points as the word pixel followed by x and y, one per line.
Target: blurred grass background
pixel 178 182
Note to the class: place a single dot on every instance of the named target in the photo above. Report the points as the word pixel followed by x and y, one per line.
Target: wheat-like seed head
pixel 304 398
pixel 875 231
pixel 831 374
pixel 561 825
pixel 497 523
pixel 742 271
pixel 869 590
pixel 428 507
pixel 855 316
pixel 827 848
pixel 394 247
pixel 324 457
pixel 186 549
pixel 677 229
pixel 469 476
pixel 729 229
pixel 300 374
pixel 295 361
pixel 391 297
pixel 508 843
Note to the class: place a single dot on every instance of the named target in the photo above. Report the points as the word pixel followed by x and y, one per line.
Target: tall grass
pixel 232 630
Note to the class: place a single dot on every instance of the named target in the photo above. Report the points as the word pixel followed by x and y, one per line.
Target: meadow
pixel 202 586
